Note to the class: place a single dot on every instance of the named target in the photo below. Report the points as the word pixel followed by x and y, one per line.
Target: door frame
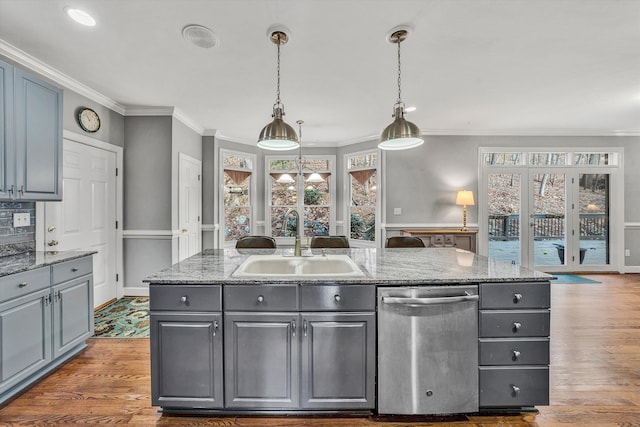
pixel 182 158
pixel 616 201
pixel 40 208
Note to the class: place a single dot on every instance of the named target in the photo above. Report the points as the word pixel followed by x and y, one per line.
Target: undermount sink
pixel 311 267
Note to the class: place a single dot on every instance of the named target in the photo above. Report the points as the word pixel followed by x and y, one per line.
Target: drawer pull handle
pixel 260 299
pixel 215 327
pixel 304 327
pixel 23 285
pixel 337 297
pixel 516 355
pixel 516 326
pixel 293 328
pixel 74 269
pixel 515 390
pixel 184 298
pixel 517 298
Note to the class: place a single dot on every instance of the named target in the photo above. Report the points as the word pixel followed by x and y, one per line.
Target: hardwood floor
pixel 595 375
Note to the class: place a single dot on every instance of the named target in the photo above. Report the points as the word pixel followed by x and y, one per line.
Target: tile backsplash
pixel 16 239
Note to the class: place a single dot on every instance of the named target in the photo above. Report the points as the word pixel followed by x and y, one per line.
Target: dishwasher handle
pixel 428 301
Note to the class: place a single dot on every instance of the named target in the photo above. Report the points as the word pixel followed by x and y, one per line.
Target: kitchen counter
pixel 31 260
pixel 381 266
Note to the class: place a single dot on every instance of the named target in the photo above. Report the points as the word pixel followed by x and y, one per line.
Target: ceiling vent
pixel 200 36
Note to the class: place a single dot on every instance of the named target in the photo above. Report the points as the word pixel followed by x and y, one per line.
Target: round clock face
pixel 89 120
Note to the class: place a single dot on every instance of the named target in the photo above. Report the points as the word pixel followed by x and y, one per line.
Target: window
pixel 237 177
pixel 289 188
pixel 362 169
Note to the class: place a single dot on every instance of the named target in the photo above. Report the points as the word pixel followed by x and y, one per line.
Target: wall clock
pixel 88 120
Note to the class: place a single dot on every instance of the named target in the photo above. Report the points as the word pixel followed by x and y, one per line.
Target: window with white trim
pixel 237 204
pixel 290 186
pixel 362 178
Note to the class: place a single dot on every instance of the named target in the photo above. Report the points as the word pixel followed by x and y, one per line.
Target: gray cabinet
pixel 31 137
pixel 261 360
pixel 42 323
pixel 186 346
pixel 72 313
pixel 25 326
pixel 514 321
pixel 338 360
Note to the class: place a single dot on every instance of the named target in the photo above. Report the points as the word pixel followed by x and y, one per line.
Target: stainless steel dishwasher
pixel 428 350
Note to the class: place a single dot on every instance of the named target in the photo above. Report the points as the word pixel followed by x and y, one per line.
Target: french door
pixel 552 219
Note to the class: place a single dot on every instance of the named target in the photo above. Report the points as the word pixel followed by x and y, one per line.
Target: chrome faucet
pixel 298 248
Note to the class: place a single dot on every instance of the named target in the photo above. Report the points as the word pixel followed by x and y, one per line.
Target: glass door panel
pixel 548 219
pixel 504 191
pixel 593 202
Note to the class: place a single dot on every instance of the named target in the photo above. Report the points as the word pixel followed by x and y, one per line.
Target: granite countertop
pixel 35 259
pixel 381 266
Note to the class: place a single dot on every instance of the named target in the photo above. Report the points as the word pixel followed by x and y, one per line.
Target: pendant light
pixel 401 133
pixel 278 135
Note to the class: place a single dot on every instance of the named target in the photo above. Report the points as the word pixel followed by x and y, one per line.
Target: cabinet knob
pixel 184 298
pixel 517 298
pixel 515 390
pixel 516 355
pixel 337 297
pixel 516 326
pixel 215 327
pixel 260 299
pixel 74 269
pixel 23 285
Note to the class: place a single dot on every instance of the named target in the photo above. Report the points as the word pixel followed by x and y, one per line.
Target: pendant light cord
pixel 278 84
pixel 399 78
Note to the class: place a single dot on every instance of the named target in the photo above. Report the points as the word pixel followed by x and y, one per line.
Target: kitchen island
pixel 230 338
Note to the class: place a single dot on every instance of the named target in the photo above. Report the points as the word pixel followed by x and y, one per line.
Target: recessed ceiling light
pixel 409 109
pixel 200 36
pixel 80 16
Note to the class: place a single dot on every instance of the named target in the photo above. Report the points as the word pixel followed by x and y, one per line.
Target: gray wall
pixel 111 123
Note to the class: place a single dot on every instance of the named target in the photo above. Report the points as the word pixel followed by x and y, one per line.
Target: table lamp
pixel 465 198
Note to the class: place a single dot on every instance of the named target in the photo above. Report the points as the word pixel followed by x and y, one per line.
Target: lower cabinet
pixel 45 318
pixel 338 360
pixel 187 360
pixel 261 360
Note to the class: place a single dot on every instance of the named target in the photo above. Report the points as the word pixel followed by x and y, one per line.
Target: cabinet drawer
pixel 514 323
pixel 514 386
pixel 503 351
pixel 261 297
pixel 71 269
pixel 16 285
pixel 337 298
pixel 515 295
pixel 185 298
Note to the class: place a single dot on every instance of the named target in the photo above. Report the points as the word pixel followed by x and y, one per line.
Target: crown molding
pixel 34 64
pixel 140 110
pixel 531 132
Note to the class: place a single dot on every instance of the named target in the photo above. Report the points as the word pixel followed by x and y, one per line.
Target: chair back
pixel 404 242
pixel 329 242
pixel 256 242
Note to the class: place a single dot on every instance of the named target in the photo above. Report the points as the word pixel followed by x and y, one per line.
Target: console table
pixel 445 238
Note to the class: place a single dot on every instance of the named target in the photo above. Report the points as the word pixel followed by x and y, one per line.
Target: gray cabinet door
pixel 38 138
pixel 7 162
pixel 72 314
pixel 25 337
pixel 338 360
pixel 261 360
pixel 186 360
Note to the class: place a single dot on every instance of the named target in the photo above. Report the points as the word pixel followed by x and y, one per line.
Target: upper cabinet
pixel 30 137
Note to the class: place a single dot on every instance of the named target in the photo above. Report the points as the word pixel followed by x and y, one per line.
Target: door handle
pixel 52 242
pixel 51 229
pixel 184 230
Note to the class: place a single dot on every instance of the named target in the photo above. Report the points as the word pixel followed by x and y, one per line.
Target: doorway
pixel 190 206
pixel 555 211
pixel 86 218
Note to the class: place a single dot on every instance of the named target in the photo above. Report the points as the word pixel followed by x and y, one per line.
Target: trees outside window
pixel 362 176
pixel 237 177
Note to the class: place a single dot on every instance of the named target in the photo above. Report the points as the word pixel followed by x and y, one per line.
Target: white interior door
pixel 189 212
pixel 85 218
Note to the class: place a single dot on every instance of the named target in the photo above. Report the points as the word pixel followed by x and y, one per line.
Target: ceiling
pixel 501 67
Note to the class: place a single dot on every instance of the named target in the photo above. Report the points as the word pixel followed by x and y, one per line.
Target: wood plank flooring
pixel 595 375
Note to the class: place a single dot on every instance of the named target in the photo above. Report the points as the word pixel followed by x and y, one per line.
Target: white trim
pixel 209 227
pixel 34 64
pixel 151 234
pixel 632 225
pixel 136 291
pixel 137 111
pixel 434 225
pixel 531 132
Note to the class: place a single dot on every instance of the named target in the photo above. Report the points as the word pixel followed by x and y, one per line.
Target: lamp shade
pixel 285 178
pixel 465 198
pixel 278 135
pixel 401 134
pixel 315 177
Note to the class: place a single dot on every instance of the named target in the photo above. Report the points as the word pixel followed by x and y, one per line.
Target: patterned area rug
pixel 126 318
